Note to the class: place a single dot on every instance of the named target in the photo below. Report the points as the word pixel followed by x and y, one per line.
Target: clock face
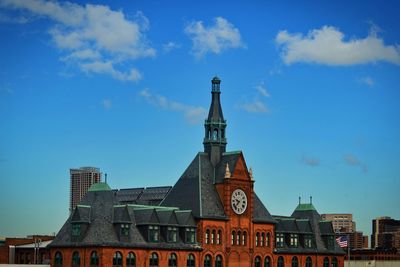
pixel 239 201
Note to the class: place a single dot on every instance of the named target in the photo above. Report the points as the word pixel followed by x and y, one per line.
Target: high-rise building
pixel 81 179
pixel 385 233
pixel 341 222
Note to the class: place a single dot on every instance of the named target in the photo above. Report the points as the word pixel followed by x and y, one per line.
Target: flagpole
pixel 348 250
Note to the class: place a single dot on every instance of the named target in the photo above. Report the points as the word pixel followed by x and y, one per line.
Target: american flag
pixel 342 241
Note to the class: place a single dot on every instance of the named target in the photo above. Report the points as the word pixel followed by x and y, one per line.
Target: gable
pixel 240 169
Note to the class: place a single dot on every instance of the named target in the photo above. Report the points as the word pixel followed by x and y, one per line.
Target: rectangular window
pixel 154 233
pixel 124 229
pixel 294 240
pixel 172 233
pixel 190 235
pixel 280 240
pixel 308 241
pixel 76 229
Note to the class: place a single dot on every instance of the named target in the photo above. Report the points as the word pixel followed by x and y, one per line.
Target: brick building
pixel 211 217
pixel 28 250
pixel 385 233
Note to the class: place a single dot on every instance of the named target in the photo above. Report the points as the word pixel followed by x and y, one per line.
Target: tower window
pixel 215 134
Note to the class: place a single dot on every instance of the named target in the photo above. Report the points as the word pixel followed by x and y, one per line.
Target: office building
pixel 80 181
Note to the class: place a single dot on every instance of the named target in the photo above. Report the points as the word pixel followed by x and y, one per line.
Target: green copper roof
pixel 99 187
pixel 305 207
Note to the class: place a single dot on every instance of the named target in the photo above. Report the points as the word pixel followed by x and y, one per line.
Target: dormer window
pixel 329 241
pixel 76 230
pixel 279 240
pixel 308 241
pixel 154 233
pixel 190 235
pixel 124 230
pixel 172 233
pixel 294 240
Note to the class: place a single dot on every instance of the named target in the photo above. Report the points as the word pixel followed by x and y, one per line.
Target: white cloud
pixel 367 81
pixel 90 34
pixel 192 114
pixel 328 46
pixel 262 90
pixel 214 39
pixel 168 47
pixel 254 107
pixel 106 67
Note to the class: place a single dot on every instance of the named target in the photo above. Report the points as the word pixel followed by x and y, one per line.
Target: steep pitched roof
pixel 195 190
pixel 106 213
pixel 260 213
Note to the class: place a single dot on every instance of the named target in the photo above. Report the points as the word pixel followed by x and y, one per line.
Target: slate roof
pixel 143 196
pixel 306 220
pixel 195 189
pixel 107 213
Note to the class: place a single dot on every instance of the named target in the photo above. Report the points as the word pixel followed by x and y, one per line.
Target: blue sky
pixel 310 92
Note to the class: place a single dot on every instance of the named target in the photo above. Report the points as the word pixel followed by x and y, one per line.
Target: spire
pixel 214 138
pixel 227 171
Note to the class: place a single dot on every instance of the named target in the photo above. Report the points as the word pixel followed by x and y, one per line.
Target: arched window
pixel 262 239
pixel 207 236
pixel 257 261
pixel 190 262
pixel 213 237
pixel 244 239
pixel 117 259
pixel 215 134
pixel 295 262
pixel 94 259
pixel 334 262
pixel 218 261
pixel 257 239
pixel 238 238
pixel 267 262
pixel 233 238
pixel 76 259
pixel 172 261
pixel 153 260
pixel 281 262
pixel 131 260
pixel 326 262
pixel 219 235
pixel 267 240
pixel 207 260
pixel 308 262
pixel 58 259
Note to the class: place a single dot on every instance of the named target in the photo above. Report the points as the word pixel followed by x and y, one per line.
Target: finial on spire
pixel 299 199
pixel 310 199
pixel 251 174
pixel 227 171
pixel 105 177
